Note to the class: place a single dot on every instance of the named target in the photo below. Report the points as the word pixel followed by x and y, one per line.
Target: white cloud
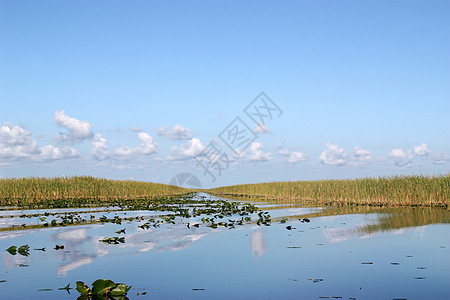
pixel 441 158
pixel 100 151
pixel 255 153
pixel 404 158
pixel 51 152
pixel 177 132
pixel 14 135
pixel 361 157
pixel 190 150
pixel 78 130
pixel 399 153
pixel 283 152
pixel 297 157
pixel 147 147
pixel 421 150
pixel 291 157
pixel 16 143
pixel 334 155
pixel 260 128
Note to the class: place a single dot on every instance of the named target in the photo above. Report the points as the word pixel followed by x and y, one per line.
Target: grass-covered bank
pixel 390 191
pixel 86 190
pixel 43 191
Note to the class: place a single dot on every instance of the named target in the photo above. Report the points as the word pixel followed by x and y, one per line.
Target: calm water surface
pixel 353 253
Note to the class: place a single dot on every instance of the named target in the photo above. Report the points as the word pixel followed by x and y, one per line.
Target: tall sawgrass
pixel 391 191
pixel 41 190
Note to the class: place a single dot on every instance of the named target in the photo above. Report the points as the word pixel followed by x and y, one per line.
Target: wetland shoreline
pixel 421 191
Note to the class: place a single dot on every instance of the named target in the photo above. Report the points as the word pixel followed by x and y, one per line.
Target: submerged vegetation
pixel 83 189
pixel 384 191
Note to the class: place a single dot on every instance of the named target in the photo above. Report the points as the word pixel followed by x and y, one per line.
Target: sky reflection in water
pixel 351 254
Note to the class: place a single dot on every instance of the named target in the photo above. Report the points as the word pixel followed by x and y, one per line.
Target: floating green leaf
pixel 12 250
pixel 23 250
pixel 113 240
pixel 102 286
pixel 82 288
pixel 120 289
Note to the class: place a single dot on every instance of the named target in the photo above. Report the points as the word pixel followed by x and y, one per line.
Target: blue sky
pixel 139 89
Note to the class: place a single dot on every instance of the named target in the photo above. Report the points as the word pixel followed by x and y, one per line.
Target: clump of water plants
pixel 113 240
pixel 23 250
pixel 102 287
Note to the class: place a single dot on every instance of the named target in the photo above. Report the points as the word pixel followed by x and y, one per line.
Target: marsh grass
pixel 81 189
pixel 383 191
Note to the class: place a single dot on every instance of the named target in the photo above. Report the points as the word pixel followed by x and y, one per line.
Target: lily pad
pixel 12 250
pixel 102 286
pixel 82 288
pixel 23 250
pixel 120 289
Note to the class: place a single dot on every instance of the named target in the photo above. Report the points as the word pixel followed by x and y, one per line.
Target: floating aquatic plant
pixel 113 240
pixel 102 287
pixel 12 250
pixel 23 250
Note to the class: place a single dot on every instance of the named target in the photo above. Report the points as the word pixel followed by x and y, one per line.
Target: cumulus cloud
pixel 283 152
pixel 78 130
pixel 255 153
pixel 337 156
pixel 404 158
pixel 441 158
pixel 333 155
pixel 421 150
pixel 361 157
pixel 51 152
pixel 296 157
pixel 177 132
pixel 190 150
pixel 147 147
pixel 260 128
pixel 291 157
pixel 16 143
pixel 100 151
pixel 399 153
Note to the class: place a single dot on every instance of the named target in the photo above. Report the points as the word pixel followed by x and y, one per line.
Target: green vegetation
pixel 84 189
pixel 392 191
pixel 214 214
pixel 89 191
pixel 104 288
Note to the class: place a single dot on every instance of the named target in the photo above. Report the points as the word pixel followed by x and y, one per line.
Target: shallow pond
pixel 348 253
